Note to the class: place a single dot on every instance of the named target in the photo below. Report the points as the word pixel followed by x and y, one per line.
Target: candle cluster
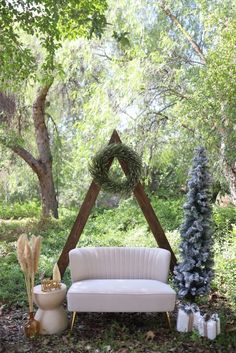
pixel 190 318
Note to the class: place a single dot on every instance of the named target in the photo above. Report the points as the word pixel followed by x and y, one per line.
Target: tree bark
pixel 43 165
pixel 48 194
pixel 45 176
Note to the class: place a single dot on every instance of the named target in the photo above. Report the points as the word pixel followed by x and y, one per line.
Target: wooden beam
pixel 78 226
pixel 81 220
pixel 153 222
pixel 148 212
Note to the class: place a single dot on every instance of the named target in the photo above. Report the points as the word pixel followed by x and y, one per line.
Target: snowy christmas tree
pixel 194 274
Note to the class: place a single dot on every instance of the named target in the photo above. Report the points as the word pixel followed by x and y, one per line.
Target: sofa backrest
pixel 119 263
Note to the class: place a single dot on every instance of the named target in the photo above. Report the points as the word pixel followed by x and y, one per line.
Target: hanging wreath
pixel 100 166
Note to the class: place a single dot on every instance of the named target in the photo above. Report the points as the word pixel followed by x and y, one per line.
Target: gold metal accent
pixel 167 315
pixel 73 320
pixel 48 285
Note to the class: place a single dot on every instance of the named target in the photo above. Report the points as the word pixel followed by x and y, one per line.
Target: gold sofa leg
pixel 167 315
pixel 73 320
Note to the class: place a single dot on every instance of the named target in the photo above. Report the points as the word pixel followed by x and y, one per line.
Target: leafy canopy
pixel 50 21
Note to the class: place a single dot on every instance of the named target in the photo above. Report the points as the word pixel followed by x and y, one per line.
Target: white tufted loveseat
pixel 120 279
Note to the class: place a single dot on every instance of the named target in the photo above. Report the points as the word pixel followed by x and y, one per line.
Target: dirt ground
pixel 113 332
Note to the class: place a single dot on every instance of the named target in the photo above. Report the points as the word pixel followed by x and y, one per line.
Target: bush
pixel 225 264
pixel 20 210
pixel 224 218
pixel 169 212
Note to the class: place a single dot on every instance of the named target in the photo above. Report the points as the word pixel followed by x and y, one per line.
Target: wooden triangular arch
pixel 88 204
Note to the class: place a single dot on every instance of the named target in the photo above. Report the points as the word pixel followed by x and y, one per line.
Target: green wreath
pixel 99 168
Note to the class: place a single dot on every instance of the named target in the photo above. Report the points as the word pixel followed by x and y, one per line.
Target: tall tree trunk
pixel 45 176
pixel 43 165
pixel 48 195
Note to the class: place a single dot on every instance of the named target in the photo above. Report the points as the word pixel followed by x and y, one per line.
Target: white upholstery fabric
pixel 120 295
pixel 119 262
pixel 120 280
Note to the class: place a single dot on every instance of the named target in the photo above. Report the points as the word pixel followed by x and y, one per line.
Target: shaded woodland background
pixel 162 73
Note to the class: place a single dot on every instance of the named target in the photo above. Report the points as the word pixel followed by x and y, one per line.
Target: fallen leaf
pixel 149 336
pixel 123 350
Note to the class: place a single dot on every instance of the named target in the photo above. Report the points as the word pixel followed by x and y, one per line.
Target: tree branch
pixel 28 158
pixel 39 102
pixel 166 117
pixel 174 19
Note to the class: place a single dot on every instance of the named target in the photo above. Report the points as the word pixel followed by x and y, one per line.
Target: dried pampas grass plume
pixel 29 259
pixel 21 251
pixel 36 247
pixel 56 273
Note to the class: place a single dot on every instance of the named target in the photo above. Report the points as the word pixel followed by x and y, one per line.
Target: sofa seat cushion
pixel 120 295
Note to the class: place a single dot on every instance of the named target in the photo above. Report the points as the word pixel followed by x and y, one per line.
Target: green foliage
pixel 225 265
pixel 83 18
pixel 141 77
pixel 13 279
pixel 20 210
pixel 169 212
pixel 128 217
pixel 50 21
pixel 224 218
pixel 9 139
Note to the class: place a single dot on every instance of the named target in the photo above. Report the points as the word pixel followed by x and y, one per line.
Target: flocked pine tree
pixel 194 274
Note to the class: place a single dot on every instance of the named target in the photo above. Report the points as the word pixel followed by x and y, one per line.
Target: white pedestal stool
pixel 51 314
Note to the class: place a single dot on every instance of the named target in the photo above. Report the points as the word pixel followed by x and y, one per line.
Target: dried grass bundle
pixel 28 257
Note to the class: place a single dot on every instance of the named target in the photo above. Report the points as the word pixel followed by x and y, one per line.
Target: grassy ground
pixel 113 332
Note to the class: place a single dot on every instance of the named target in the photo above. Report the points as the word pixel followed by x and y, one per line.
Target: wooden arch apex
pixel 88 204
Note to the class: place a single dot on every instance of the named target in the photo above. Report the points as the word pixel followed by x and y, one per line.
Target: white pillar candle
pixel 217 320
pixel 202 326
pixel 196 317
pixel 211 329
pixel 218 325
pixel 184 321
